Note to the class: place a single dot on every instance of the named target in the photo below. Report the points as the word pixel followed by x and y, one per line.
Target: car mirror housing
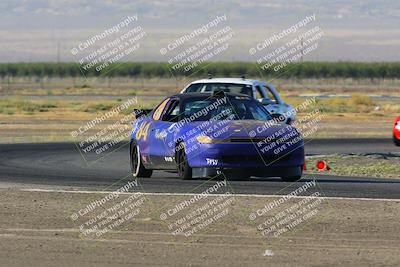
pixel 266 101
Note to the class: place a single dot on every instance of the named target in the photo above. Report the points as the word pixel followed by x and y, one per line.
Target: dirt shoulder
pixel 38 228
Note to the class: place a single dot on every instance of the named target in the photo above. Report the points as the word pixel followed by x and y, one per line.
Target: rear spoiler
pixel 141 112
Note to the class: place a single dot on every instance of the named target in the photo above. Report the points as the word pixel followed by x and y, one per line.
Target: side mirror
pixel 266 101
pixel 141 112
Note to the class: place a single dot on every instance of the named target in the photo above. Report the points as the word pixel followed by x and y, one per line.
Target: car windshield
pixel 235 108
pixel 226 87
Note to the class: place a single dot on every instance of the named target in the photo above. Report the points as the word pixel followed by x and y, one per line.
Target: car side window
pixel 172 112
pixel 259 93
pixel 196 87
pixel 159 110
pixel 269 94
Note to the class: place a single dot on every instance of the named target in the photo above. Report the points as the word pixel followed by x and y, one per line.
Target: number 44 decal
pixel 143 131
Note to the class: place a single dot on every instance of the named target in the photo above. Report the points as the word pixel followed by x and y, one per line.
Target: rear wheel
pixel 138 170
pixel 396 141
pixel 184 170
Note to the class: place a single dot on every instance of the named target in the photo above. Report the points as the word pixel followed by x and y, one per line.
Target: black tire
pixel 245 177
pixel 291 179
pixel 396 141
pixel 184 170
pixel 137 168
pixel 294 178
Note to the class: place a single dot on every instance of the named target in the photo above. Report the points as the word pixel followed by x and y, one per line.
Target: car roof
pixel 205 94
pixel 229 80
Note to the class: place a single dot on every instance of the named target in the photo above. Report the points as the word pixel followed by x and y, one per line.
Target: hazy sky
pixel 47 30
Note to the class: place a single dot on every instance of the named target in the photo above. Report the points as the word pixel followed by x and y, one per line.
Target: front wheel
pixel 138 170
pixel 396 141
pixel 184 170
pixel 293 178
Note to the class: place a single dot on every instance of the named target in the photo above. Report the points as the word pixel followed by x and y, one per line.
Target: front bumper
pixel 246 156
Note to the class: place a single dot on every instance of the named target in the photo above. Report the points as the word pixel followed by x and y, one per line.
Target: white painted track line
pixel 211 195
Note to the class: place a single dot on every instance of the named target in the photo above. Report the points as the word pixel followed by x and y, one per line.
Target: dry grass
pixel 124 86
pixel 25 119
pixel 18 105
pixel 367 166
pixel 15 105
pixel 356 104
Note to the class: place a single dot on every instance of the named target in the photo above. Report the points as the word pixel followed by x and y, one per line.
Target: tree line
pixel 217 69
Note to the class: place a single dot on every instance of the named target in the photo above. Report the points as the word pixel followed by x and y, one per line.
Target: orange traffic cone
pixel 322 165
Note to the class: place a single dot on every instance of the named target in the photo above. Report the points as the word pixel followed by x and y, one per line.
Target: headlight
pixel 203 139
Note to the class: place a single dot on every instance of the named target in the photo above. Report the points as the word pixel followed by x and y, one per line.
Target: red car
pixel 396 131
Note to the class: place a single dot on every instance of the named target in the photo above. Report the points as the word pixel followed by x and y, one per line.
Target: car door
pixel 144 127
pixel 162 136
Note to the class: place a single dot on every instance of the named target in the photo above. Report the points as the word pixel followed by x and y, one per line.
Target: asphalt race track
pixel 61 166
